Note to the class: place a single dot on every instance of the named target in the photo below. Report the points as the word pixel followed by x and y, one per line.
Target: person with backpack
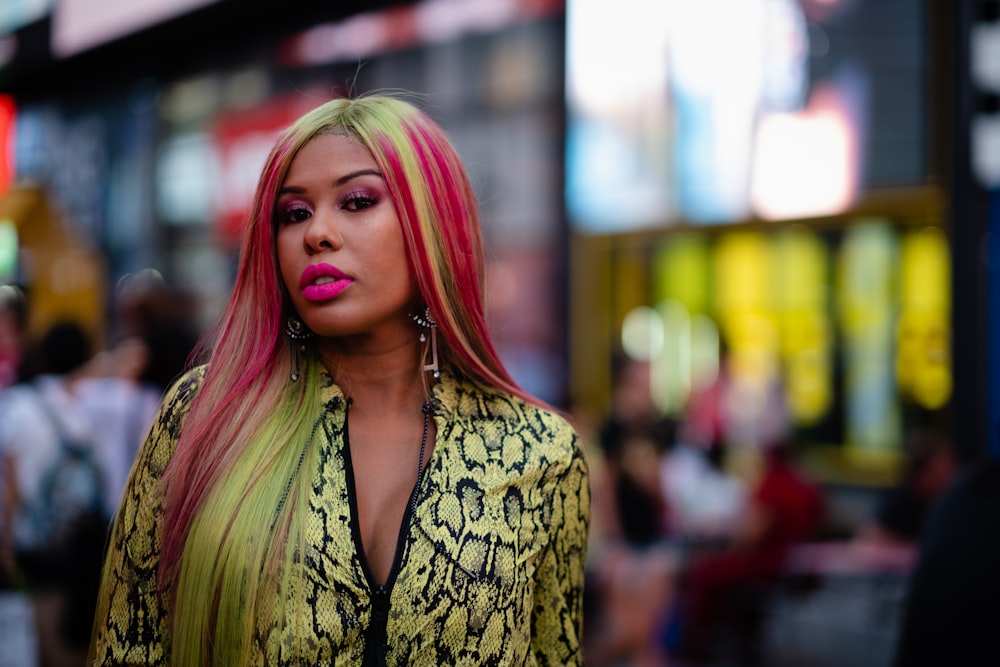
pixel 57 499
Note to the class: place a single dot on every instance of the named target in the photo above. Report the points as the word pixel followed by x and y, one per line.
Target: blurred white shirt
pixel 112 415
pixel 704 502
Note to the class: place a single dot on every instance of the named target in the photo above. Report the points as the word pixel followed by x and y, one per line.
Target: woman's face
pixel 340 246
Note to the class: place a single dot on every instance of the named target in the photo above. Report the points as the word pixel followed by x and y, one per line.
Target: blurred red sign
pixel 243 140
pixel 8 112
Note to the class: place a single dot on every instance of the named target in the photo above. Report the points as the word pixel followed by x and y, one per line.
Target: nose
pixel 323 232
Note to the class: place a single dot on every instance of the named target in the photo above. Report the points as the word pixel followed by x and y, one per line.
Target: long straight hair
pixel 249 429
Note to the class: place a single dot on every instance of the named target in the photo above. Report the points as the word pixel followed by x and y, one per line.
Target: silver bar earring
pixel 425 321
pixel 298 333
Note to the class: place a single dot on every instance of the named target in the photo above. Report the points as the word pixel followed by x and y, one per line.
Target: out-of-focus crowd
pixel 73 413
pixel 690 535
pixel 695 529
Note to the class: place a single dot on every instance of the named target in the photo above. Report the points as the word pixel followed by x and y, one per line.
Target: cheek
pixel 389 241
pixel 394 262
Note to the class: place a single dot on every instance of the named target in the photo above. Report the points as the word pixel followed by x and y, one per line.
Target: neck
pixel 387 377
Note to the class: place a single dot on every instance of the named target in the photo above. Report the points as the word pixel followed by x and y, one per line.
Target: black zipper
pixel 376 637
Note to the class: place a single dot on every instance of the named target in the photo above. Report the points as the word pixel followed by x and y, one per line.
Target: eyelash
pixel 353 202
pixel 354 198
pixel 288 216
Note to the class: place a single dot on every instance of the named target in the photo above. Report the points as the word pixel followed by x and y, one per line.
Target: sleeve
pixel 130 618
pixel 557 620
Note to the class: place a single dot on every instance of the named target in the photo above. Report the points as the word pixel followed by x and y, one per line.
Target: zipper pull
pixel 380 602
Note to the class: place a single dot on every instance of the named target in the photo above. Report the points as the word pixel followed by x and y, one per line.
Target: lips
pixel 321 282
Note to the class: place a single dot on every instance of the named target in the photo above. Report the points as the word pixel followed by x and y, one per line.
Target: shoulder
pixel 477 402
pixel 140 502
pixel 493 421
pixel 166 425
pixel 15 397
pixel 186 386
pixel 17 410
pixel 109 397
pixel 178 398
pixel 20 407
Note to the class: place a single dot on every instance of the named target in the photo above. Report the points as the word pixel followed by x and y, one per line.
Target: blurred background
pixel 721 234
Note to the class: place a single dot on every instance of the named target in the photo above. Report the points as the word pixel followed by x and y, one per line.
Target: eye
pixel 358 201
pixel 293 213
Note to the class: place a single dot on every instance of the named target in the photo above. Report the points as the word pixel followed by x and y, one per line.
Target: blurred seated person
pixel 633 572
pixel 633 439
pixel 929 468
pixel 705 500
pixel 783 508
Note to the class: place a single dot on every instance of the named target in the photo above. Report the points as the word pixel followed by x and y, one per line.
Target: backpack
pixel 71 488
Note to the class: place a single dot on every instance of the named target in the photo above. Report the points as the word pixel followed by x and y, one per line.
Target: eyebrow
pixel 355 174
pixel 342 180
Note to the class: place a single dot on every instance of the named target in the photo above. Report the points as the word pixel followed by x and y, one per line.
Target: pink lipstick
pixel 321 282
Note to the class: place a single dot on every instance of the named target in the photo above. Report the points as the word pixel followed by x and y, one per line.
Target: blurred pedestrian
pixel 928 469
pixel 949 615
pixel 158 323
pixel 632 573
pixel 633 438
pixel 13 330
pixel 55 512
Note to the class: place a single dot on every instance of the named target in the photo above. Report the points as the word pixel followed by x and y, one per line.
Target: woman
pixel 353 478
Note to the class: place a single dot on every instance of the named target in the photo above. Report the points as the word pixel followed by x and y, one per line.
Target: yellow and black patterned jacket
pixel 489 569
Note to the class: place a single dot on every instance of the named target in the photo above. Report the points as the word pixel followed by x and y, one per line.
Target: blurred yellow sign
pixel 62 273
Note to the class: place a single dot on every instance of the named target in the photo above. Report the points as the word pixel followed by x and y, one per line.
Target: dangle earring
pixel 298 333
pixel 425 321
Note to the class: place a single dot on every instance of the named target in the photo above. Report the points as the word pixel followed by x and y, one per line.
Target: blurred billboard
pixel 727 110
pixel 78 25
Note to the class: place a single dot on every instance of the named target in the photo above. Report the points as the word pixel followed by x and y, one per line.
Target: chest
pixel 469 505
pixel 383 460
pixel 467 558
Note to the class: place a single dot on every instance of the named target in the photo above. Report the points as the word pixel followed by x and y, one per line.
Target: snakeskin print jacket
pixel 489 569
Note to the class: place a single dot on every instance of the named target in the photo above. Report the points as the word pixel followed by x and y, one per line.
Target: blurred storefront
pixel 155 160
pixel 766 201
pixel 762 188
pixel 63 272
pixel 782 203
